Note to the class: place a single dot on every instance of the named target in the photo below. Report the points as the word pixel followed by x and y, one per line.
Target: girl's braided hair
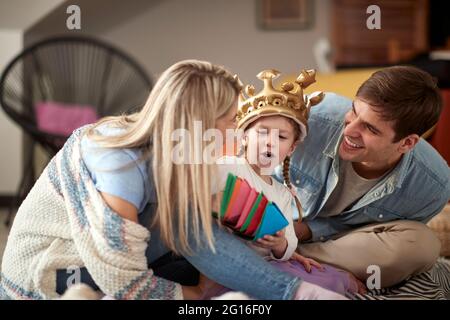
pixel 287 182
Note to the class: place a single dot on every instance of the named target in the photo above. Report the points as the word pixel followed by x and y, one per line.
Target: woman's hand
pixel 192 292
pixel 199 291
pixel 206 284
pixel 276 243
pixel 306 262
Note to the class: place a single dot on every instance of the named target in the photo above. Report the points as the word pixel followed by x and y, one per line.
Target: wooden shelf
pixel 403 33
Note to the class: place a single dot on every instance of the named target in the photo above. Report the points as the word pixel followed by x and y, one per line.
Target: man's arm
pixel 319 229
pixel 431 209
pixel 302 231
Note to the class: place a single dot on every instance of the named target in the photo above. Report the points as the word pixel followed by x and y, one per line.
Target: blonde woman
pixel 89 215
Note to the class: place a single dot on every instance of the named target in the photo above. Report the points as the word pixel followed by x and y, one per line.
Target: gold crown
pixel 289 101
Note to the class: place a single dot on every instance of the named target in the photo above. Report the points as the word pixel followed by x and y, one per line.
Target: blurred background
pixel 244 35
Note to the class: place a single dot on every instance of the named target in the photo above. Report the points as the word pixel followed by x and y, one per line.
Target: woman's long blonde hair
pixel 188 91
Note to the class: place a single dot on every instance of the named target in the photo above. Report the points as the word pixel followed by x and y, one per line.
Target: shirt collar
pixel 397 175
pixel 333 146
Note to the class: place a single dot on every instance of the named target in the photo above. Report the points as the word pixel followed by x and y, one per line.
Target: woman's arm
pixel 122 207
pixel 128 211
pixel 233 265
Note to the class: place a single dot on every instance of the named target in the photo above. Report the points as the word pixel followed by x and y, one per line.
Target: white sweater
pixel 275 192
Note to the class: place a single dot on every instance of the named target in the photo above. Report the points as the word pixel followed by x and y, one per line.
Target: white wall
pixel 20 14
pixel 10 134
pixel 222 31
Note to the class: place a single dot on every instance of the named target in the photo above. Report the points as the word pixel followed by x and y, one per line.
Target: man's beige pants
pixel 399 248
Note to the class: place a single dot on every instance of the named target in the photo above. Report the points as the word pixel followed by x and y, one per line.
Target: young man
pixel 368 183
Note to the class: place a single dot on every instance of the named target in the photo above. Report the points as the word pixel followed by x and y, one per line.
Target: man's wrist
pixel 308 233
pixel 302 231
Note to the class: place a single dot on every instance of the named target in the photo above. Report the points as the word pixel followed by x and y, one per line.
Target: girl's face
pixel 269 140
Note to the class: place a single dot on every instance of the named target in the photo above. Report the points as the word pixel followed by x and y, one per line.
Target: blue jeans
pixel 233 265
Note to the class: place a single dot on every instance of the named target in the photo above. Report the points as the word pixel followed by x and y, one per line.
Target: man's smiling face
pixel 367 137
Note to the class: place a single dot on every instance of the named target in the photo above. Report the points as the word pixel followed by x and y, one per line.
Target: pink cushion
pixel 62 119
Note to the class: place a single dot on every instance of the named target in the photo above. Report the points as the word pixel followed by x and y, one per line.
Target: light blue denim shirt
pixel 416 189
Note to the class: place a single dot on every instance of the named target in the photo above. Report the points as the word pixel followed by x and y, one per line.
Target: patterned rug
pixel 431 285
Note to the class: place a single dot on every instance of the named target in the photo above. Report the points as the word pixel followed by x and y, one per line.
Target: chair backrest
pixel 61 83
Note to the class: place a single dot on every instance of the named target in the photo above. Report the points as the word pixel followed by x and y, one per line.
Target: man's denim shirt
pixel 416 189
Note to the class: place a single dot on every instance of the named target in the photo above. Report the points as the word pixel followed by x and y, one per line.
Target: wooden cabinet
pixel 403 33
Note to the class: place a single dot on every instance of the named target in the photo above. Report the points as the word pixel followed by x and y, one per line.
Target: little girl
pixel 273 123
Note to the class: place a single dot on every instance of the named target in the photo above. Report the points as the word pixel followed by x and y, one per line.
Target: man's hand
pixel 276 243
pixel 302 231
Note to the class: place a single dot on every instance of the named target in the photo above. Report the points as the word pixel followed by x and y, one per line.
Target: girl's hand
pixel 276 243
pixel 306 262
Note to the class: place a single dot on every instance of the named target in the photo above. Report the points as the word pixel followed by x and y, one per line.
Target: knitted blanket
pixel 64 224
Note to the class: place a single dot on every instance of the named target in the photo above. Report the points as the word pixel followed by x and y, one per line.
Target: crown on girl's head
pixel 289 101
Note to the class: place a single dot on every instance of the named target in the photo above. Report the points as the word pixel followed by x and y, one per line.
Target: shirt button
pixel 322 238
pixel 380 216
pixel 297 181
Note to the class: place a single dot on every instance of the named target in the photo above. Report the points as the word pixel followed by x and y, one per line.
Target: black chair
pixel 61 83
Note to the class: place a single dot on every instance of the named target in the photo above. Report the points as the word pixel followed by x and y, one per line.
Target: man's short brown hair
pixel 405 95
